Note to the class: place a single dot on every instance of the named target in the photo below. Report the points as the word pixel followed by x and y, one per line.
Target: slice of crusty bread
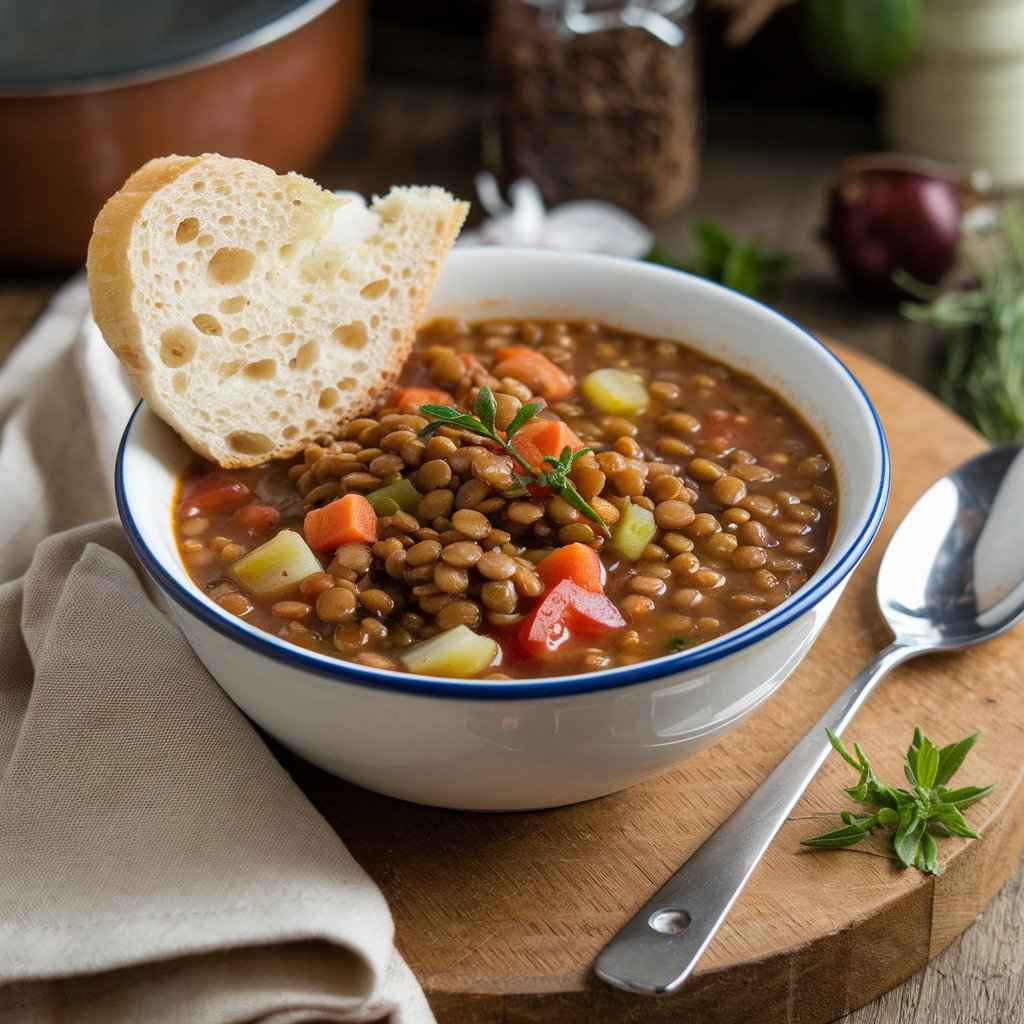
pixel 257 310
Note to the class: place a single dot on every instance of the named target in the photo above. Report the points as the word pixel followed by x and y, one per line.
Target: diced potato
pixel 617 392
pixel 399 495
pixel 458 652
pixel 633 532
pixel 276 568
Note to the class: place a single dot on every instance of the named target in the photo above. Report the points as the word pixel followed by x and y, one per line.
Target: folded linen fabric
pixel 156 863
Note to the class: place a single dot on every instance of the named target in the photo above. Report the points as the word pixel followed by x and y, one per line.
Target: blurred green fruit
pixel 862 41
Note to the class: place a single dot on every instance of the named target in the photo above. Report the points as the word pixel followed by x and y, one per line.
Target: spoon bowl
pixel 953 574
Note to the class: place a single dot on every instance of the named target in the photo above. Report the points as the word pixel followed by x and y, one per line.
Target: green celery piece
pixel 401 493
pixel 633 532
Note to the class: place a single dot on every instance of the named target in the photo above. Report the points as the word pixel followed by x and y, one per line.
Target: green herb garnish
pixel 984 374
pixel 916 817
pixel 744 266
pixel 677 644
pixel 481 423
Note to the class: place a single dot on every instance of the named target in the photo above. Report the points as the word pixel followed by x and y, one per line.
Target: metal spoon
pixel 952 576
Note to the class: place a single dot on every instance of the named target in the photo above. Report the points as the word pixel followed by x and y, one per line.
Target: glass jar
pixel 598 99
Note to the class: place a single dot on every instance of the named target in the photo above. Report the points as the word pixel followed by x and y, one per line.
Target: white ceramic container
pixel 537 743
pixel 961 99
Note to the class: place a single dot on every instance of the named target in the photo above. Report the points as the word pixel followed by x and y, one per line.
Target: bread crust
pixel 112 288
pixel 107 268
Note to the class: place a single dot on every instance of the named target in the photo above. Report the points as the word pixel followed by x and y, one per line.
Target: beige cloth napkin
pixel 157 864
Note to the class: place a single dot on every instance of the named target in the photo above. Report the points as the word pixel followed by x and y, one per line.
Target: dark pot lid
pixel 61 46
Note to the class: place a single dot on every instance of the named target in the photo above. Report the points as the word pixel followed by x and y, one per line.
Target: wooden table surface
pixel 764 175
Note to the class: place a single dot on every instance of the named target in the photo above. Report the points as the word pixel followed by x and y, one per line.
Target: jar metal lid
pixel 661 18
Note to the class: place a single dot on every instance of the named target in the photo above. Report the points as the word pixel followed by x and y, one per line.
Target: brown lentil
pixel 494 565
pixel 673 515
pixel 423 553
pixel 451 580
pixel 499 596
pixel 471 524
pixel 459 613
pixel 336 605
pixel 235 603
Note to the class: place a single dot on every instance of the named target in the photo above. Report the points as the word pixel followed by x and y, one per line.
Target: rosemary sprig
pixel 482 423
pixel 984 374
pixel 916 817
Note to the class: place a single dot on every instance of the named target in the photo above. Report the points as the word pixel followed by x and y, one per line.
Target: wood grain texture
pixel 500 916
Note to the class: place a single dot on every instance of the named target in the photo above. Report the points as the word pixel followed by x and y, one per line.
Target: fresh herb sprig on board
pixel 482 423
pixel 984 374
pixel 915 817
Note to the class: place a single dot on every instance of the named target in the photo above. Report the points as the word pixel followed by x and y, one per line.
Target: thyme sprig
pixel 482 423
pixel 916 817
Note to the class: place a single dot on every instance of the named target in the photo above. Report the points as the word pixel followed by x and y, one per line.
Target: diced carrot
pixel 537 372
pixel 410 399
pixel 216 493
pixel 565 610
pixel 346 520
pixel 257 518
pixel 544 437
pixel 575 562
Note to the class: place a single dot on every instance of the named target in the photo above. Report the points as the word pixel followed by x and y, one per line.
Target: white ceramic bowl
pixel 538 742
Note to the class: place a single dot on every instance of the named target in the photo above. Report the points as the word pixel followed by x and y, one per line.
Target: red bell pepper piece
pixel 566 610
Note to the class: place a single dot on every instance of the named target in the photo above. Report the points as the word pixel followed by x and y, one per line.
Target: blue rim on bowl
pixel 528 689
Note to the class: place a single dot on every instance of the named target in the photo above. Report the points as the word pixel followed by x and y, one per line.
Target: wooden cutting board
pixel 501 915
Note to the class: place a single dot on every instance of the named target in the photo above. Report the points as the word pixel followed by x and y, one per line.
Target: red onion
pixel 889 213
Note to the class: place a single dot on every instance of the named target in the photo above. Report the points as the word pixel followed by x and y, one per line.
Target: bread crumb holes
pixel 187 231
pixel 177 346
pixel 207 324
pixel 230 265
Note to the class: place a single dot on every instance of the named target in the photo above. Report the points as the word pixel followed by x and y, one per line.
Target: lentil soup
pixel 407 544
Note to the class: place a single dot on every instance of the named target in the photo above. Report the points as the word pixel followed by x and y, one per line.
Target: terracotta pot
pixel 277 95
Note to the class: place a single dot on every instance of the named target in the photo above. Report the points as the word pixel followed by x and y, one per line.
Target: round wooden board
pixel 501 915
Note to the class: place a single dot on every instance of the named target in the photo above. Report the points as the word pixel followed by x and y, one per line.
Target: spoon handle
pixel 655 951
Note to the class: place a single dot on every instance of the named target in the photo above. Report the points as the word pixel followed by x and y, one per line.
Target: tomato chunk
pixel 575 562
pixel 537 372
pixel 564 611
pixel 737 431
pixel 216 493
pixel 346 520
pixel 257 518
